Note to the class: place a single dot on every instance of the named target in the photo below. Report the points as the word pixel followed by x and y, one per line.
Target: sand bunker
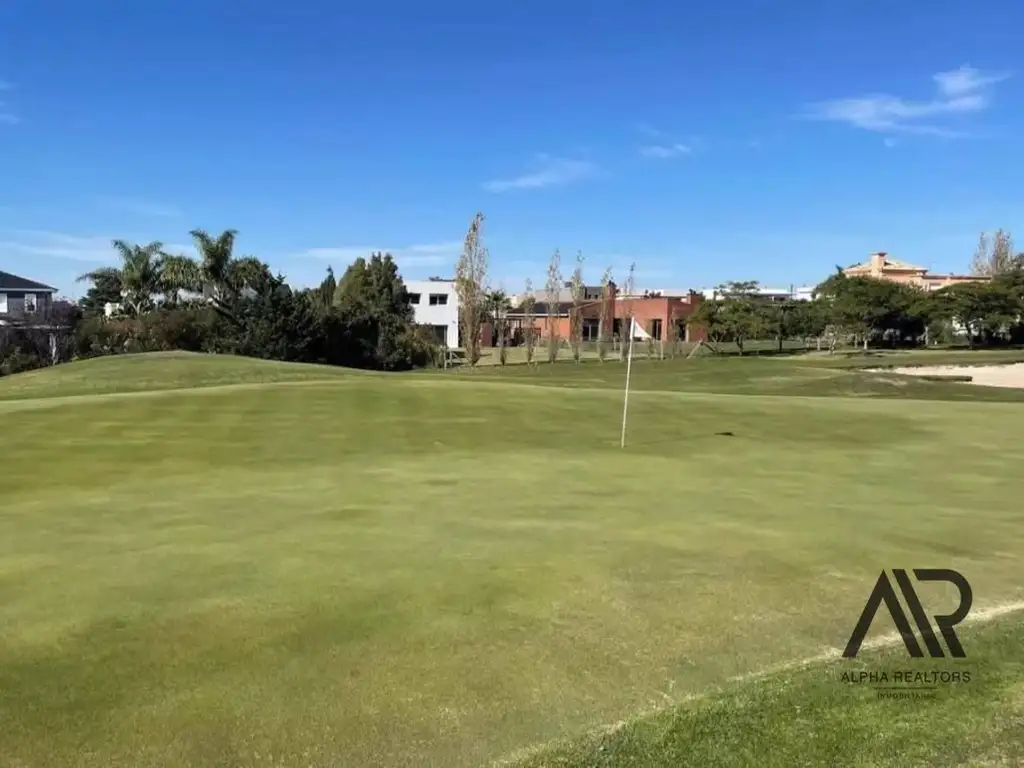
pixel 985 375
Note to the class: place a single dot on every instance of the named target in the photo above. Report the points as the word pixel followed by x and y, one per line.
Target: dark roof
pixel 9 282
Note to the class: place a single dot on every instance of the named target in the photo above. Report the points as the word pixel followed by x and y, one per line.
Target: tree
pixel 324 295
pixel 607 316
pixel 995 256
pixel 105 289
pixel 576 318
pixel 673 330
pixel 138 278
pixel 498 305
pixel 740 313
pixel 470 285
pixel 552 293
pixel 529 310
pixel 982 310
pixel 371 296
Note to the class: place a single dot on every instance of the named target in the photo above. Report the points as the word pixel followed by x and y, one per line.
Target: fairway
pixel 267 564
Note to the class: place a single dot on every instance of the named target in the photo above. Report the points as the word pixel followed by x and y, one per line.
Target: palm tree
pixel 496 306
pixel 138 277
pixel 220 277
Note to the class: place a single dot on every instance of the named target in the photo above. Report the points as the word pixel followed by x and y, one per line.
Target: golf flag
pixel 638 332
pixel 635 331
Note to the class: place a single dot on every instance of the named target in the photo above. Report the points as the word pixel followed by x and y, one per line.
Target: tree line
pixel 223 303
pixel 868 312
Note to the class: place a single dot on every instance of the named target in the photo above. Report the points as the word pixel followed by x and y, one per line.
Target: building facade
pixel 882 267
pixel 21 298
pixel 657 313
pixel 435 304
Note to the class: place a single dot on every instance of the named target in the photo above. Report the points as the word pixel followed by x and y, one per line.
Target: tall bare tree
pixel 470 286
pixel 576 318
pixel 673 331
pixel 529 321
pixel 607 316
pixel 552 291
pixel 627 320
pixel 993 256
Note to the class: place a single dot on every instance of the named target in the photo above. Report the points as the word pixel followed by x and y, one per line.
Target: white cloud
pixel 7 116
pixel 553 172
pixel 664 151
pixel 140 207
pixel 419 255
pixel 24 243
pixel 57 245
pixel 958 92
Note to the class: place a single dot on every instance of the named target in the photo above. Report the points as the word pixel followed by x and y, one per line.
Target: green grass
pixel 810 717
pixel 335 568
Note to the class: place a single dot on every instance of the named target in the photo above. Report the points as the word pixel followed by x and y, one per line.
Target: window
pixel 590 329
pixel 3 303
pixel 438 299
pixel 414 298
pixel 30 302
pixel 656 328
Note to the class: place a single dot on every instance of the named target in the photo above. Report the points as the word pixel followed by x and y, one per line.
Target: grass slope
pixel 157 372
pixel 414 570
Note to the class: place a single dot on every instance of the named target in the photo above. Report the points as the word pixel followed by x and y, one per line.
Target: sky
pixel 704 142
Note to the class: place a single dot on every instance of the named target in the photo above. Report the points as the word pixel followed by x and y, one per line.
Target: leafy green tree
pixel 371 296
pixel 105 289
pixel 982 310
pixel 741 314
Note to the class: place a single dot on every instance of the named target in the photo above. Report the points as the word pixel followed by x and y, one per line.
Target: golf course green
pixel 216 561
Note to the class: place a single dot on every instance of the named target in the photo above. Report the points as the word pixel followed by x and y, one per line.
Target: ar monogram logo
pixel 885 593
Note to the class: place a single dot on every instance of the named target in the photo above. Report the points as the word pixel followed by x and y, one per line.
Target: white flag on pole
pixel 638 332
pixel 635 331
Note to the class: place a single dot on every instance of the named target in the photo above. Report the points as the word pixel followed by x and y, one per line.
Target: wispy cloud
pixel 551 172
pixel 94 249
pixel 7 116
pixel 958 92
pixel 27 243
pixel 420 255
pixel 140 207
pixel 664 151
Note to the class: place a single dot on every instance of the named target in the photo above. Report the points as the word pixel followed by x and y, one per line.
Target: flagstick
pixel 625 401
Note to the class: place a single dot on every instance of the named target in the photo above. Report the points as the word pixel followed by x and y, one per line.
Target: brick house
pixel 654 312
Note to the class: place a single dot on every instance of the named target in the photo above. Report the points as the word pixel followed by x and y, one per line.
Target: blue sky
pixel 741 139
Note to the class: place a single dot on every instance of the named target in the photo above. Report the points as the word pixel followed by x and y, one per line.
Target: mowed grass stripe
pixel 383 573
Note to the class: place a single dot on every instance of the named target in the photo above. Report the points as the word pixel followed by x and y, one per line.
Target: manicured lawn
pixel 443 569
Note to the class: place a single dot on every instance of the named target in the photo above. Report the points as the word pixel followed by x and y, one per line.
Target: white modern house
pixel 435 303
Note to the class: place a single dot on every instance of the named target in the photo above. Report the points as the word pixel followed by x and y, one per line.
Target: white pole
pixel 625 400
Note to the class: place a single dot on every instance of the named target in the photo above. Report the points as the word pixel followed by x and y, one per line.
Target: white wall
pixel 446 314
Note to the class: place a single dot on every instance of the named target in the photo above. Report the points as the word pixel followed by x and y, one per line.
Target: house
pixel 656 313
pixel 435 304
pixel 21 298
pixel 880 266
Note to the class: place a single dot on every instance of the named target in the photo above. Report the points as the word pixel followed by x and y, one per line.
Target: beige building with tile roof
pixel 882 267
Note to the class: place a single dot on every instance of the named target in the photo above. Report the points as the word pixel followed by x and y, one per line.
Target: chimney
pixel 878 261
